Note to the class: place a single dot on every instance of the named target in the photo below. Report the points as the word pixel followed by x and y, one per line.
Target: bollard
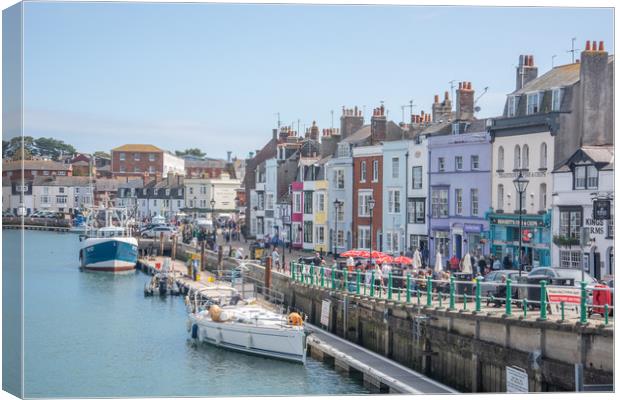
pixel 389 294
pixel 562 311
pixel 359 281
pixel 429 291
pixel 583 318
pixel 524 308
pixel 606 314
pixel 322 277
pixel 543 300
pixel 452 299
pixel 478 294
pixel 465 301
pixel 408 288
pixel 372 284
pixel 508 297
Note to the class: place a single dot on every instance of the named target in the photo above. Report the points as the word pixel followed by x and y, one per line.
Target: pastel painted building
pixel 339 172
pixel 460 187
pixel 297 214
pixel 395 178
pixel 321 204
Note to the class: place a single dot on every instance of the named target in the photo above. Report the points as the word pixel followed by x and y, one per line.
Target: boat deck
pixel 379 372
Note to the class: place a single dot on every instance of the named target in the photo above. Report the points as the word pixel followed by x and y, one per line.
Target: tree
pixel 196 152
pixel 53 148
pixel 13 147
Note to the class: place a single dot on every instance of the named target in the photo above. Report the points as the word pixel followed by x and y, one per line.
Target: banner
pixel 571 296
pixel 325 310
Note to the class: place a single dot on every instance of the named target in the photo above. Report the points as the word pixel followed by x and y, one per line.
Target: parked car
pixel 7 214
pixel 156 231
pixel 43 214
pixel 489 286
pixel 562 273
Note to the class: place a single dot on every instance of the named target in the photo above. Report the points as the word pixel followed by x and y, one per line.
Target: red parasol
pixel 355 253
pixel 403 260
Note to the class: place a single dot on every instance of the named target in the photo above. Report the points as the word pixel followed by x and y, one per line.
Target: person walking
pixel 275 258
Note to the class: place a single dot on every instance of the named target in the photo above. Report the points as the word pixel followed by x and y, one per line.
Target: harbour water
pixel 96 335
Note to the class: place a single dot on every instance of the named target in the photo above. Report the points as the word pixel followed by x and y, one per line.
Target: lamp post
pixel 371 206
pixel 337 205
pixel 520 185
pixel 212 202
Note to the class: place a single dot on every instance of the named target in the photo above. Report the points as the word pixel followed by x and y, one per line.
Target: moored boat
pixel 227 321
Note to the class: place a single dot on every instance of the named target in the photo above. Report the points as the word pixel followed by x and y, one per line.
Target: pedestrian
pixel 507 261
pixel 454 263
pixel 497 265
pixel 350 264
pixel 378 278
pixel 275 258
pixel 239 253
pixel 368 275
pixel 482 265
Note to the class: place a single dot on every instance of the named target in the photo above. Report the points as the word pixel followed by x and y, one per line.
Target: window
pixel 136 156
pixel 363 171
pixel 260 203
pixel 61 189
pixel 570 259
pixel 151 169
pixel 375 170
pixel 395 167
pixel 151 157
pixel 533 103
pixel 297 202
pixel 363 210
pixel 45 199
pixel 556 98
pixel 592 180
pixel 394 201
pixel 500 158
pixel 441 164
pixel 570 222
pixel 458 163
pixel 121 157
pixel 416 177
pixel 61 199
pixel 474 202
pixel 340 238
pixel 392 240
pixel 155 202
pixel 122 168
pixel 339 178
pixel 191 190
pixel 269 201
pixel 307 202
pixel 77 190
pixel 320 202
pixel 320 234
pixel 363 237
pixel 340 213
pixel 543 156
pixel 439 203
pixel 307 231
pixel 136 169
pixel 512 106
pixel 543 197
pixel 517 157
pixel 500 197
pixel 458 202
pixel 179 203
pixel 416 211
pixel 475 162
pixel 610 227
pixel 525 154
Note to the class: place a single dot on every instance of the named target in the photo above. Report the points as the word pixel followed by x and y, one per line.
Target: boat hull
pixel 116 254
pixel 285 344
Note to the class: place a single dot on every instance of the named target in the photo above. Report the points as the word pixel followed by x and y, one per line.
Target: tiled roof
pixel 61 181
pixel 138 148
pixel 35 165
pixel 560 76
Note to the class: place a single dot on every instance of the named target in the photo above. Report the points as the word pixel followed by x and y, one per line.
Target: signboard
pixel 325 311
pixel 601 209
pixel 516 380
pixel 527 223
pixel 571 296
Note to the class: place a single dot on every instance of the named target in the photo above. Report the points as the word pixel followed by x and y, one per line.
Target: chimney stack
pixel 378 125
pixel 526 71
pixel 228 154
pixel 464 102
pixel 350 121
pixel 442 111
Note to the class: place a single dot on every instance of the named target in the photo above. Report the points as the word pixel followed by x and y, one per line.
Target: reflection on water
pixel 94 334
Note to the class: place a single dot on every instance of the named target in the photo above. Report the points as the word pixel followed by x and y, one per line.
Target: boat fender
pixel 295 319
pixel 194 331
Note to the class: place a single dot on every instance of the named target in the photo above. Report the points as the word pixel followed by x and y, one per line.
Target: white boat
pixel 109 248
pixel 229 322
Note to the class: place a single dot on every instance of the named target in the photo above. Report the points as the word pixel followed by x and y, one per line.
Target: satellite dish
pixel 477 109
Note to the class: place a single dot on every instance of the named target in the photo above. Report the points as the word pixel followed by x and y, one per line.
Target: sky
pixel 214 76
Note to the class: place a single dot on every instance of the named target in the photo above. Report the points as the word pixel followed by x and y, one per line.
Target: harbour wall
pixel 464 350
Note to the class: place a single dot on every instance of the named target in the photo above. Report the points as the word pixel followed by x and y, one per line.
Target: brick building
pixel 140 159
pixel 367 184
pixel 32 168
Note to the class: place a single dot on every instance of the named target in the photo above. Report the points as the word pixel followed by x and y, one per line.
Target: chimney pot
pixel 436 98
pixel 446 95
pixel 594 45
pixel 531 60
pixel 460 85
pixel 587 45
pixel 601 46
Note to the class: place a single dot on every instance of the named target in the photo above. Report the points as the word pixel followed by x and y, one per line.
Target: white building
pixel 588 174
pixel 173 164
pixel 16 195
pixel 199 192
pixel 61 193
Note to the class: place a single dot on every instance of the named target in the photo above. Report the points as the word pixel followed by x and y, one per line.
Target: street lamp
pixel 520 185
pixel 337 205
pixel 212 202
pixel 371 206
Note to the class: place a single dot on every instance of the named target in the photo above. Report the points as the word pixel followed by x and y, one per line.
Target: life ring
pixel 295 319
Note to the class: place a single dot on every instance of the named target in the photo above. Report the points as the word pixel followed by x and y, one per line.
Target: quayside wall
pixel 467 351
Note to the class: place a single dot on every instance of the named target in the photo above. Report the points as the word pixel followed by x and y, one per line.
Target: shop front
pixel 535 238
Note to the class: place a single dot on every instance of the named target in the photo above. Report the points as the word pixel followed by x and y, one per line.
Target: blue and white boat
pixel 110 248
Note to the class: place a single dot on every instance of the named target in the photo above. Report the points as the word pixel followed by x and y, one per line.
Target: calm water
pixel 89 334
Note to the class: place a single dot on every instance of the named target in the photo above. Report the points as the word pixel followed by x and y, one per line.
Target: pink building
pixel 297 214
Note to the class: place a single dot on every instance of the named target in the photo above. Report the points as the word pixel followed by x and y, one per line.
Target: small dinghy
pixel 162 284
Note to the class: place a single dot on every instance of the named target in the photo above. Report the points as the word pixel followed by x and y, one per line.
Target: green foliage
pixel 46 147
pixel 564 241
pixel 196 152
pixel 53 148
